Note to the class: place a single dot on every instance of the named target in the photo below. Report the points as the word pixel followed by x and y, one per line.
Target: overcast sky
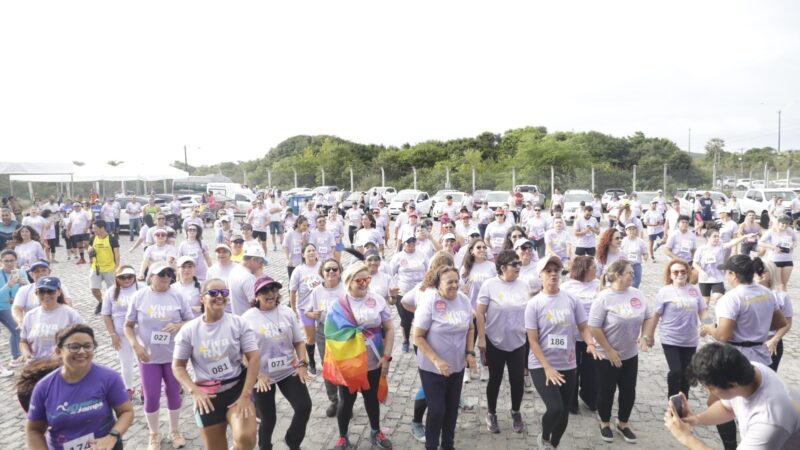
pixel 135 81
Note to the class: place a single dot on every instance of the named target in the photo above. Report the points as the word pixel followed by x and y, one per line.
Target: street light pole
pixel 779 131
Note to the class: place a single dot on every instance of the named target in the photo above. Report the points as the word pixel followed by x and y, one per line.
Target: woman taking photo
pixel 194 247
pixel 443 332
pixel 40 325
pixel 161 252
pixel 188 284
pixel 501 334
pixel 425 245
pixel 608 250
pixel 155 314
pixel 706 259
pixel 766 276
pixel 679 305
pixel 114 309
pixel 302 282
pixel 551 318
pixel 103 411
pixel 618 319
pixel 283 363
pixel 27 246
pixel 218 344
pixel 584 285
pixel 294 242
pixel 358 317
pixel 780 242
pixel 322 298
pixel 409 268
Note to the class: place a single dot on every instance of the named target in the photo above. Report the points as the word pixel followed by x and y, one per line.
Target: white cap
pixel 254 251
pixel 542 263
pixel 520 242
pixel 127 271
pixel 448 236
pixel 184 259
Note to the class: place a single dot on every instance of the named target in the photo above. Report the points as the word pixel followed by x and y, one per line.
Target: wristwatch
pixel 116 434
pixel 388 358
pixel 302 363
pixel 470 352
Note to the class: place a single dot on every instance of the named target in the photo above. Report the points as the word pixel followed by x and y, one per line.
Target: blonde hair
pixel 352 270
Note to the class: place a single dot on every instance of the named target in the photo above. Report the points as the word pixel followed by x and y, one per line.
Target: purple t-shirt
pixel 784 304
pixel 322 299
pixel 162 253
pixel 708 258
pixel 782 239
pixel 505 314
pixel 118 308
pixel 751 306
pixel 293 243
pixel 682 244
pixel 276 332
pixel 679 308
pixel 555 317
pixel 496 235
pixel 620 315
pixel 77 411
pixel 479 273
pixel 304 279
pixel 215 349
pixel 197 252
pixel 585 292
pixel 370 311
pixel 152 311
pixel 409 268
pixel 447 323
pixel 530 276
pixel 325 243
pixel 39 328
pixel 191 293
pixel 381 282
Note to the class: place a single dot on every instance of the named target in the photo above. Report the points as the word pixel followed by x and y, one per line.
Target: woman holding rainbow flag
pixel 359 336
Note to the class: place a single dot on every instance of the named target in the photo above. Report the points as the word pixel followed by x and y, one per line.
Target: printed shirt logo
pixel 440 306
pixel 65 409
pixel 213 349
pixel 160 312
pixel 636 303
pixel 559 316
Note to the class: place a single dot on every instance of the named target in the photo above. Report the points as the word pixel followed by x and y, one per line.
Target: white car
pixel 608 195
pixel 572 203
pixel 387 192
pixel 758 200
pixel 420 198
pixel 458 200
pixel 497 199
pixel 688 198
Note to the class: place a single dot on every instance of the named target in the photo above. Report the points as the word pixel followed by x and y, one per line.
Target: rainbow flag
pixel 346 347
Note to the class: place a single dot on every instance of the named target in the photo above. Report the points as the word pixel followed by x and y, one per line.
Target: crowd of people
pixel 512 291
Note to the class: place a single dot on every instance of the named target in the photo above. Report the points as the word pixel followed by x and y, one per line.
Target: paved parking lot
pixel 582 432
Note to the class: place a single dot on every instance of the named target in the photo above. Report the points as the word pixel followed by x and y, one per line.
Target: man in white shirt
pixel 586 230
pixel 275 209
pixel 134 210
pixel 242 278
pixel 654 221
pixel 260 218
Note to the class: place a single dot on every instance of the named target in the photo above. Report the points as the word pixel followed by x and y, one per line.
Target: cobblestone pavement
pixel 396 414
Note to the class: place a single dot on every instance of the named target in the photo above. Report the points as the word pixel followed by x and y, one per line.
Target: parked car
pixel 458 199
pixel 758 200
pixel 387 192
pixel 297 190
pixel 347 203
pixel 572 203
pixel 688 198
pixel 529 189
pixel 609 194
pixel 440 196
pixel 497 199
pixel 743 183
pixel 325 189
pixel 728 183
pixel 478 197
pixel 645 197
pixel 421 200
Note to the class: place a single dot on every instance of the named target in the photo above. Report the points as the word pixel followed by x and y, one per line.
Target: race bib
pixel 193 255
pixel 557 341
pixel 81 443
pixel 160 338
pixel 633 256
pixel 686 246
pixel 709 259
pixel 296 250
pixel 497 242
pixel 221 368
pixel 279 363
pixel 322 249
pixel 785 243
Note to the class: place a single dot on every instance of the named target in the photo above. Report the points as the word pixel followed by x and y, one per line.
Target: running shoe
pixel 465 405
pixel 606 434
pixel 331 410
pixel 177 440
pixel 312 369
pixel 342 443
pixel 518 424
pixel 405 347
pixel 418 431
pixel 541 444
pixel 467 376
pixel 491 423
pixel 528 384
pixel 5 373
pixel 379 440
pixel 627 434
pixel 155 442
pixel 98 308
pixel 14 363
pixel 484 373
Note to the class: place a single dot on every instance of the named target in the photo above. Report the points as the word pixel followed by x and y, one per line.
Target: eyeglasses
pixel 515 264
pixel 166 274
pixel 75 347
pixel 126 277
pixel 363 281
pixel 44 292
pixel 480 247
pixel 617 238
pixel 331 269
pixel 218 292
pixel 239 241
pixel 9 261
pixel 679 272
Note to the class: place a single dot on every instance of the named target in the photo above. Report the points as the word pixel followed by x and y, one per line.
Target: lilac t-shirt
pixel 152 311
pixel 633 249
pixel 708 258
pixel 496 235
pixel 558 242
pixel 588 240
pixel 555 317
pixel 784 304
pixel 447 323
pixel 370 312
pixel 191 294
pixel 620 315
pixel 28 253
pixel 479 273
pixel 751 306
pixel 118 308
pixel 241 283
pixel 162 253
pixel 304 279
pixel 39 328
pixel 529 275
pixel 381 281
pixel 197 252
pixel 782 239
pixel 293 243
pixel 322 299
pixel 409 268
pixel 215 349
pixel 77 412
pixel 276 331
pixel 682 244
pixel 679 308
pixel 585 292
pixel 505 314
pixel 325 243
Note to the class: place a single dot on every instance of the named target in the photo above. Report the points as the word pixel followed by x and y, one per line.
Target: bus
pixel 197 184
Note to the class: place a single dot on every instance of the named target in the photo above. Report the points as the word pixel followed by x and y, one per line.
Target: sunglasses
pixel 239 241
pixel 679 272
pixel 126 277
pixel 44 291
pixel 218 292
pixel 363 281
pixel 331 269
pixel 166 274
pixel 515 264
pixel 526 248
pixel 480 247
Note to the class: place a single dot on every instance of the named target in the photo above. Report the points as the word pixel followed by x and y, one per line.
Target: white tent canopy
pixel 90 172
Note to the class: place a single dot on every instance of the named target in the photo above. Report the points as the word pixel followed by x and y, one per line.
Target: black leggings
pixel 442 395
pixel 497 360
pixel 556 401
pixel 608 379
pixel 776 358
pixel 587 378
pixel 406 318
pixel 297 394
pixel 678 359
pixel 351 232
pixel 346 401
pixel 539 246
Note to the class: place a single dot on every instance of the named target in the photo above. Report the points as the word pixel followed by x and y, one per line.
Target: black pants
pixel 497 360
pixel 330 388
pixel 587 378
pixel 482 229
pixel 351 231
pixel 345 410
pixel 678 359
pixel 289 270
pixel 297 394
pixel 556 401
pixel 776 358
pixel 406 318
pixel 583 251
pixel 540 247
pixel 608 379
pixel 441 395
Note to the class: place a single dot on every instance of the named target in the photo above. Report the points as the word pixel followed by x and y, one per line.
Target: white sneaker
pixel 484 373
pixel 467 376
pixel 5 373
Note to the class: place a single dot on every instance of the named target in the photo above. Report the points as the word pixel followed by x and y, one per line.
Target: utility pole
pixel 690 141
pixel 779 131
pixel 185 160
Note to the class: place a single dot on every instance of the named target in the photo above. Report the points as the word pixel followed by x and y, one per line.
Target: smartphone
pixel 677 404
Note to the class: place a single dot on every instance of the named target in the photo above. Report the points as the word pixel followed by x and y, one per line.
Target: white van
pixel 229 190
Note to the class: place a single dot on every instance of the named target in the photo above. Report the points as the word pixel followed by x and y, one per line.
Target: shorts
pixel 78 238
pixel 339 246
pixel 275 228
pixel 96 280
pixel 260 235
pixel 780 264
pixel 221 403
pixel 584 251
pixel 654 237
pixel 305 320
pixel 706 289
